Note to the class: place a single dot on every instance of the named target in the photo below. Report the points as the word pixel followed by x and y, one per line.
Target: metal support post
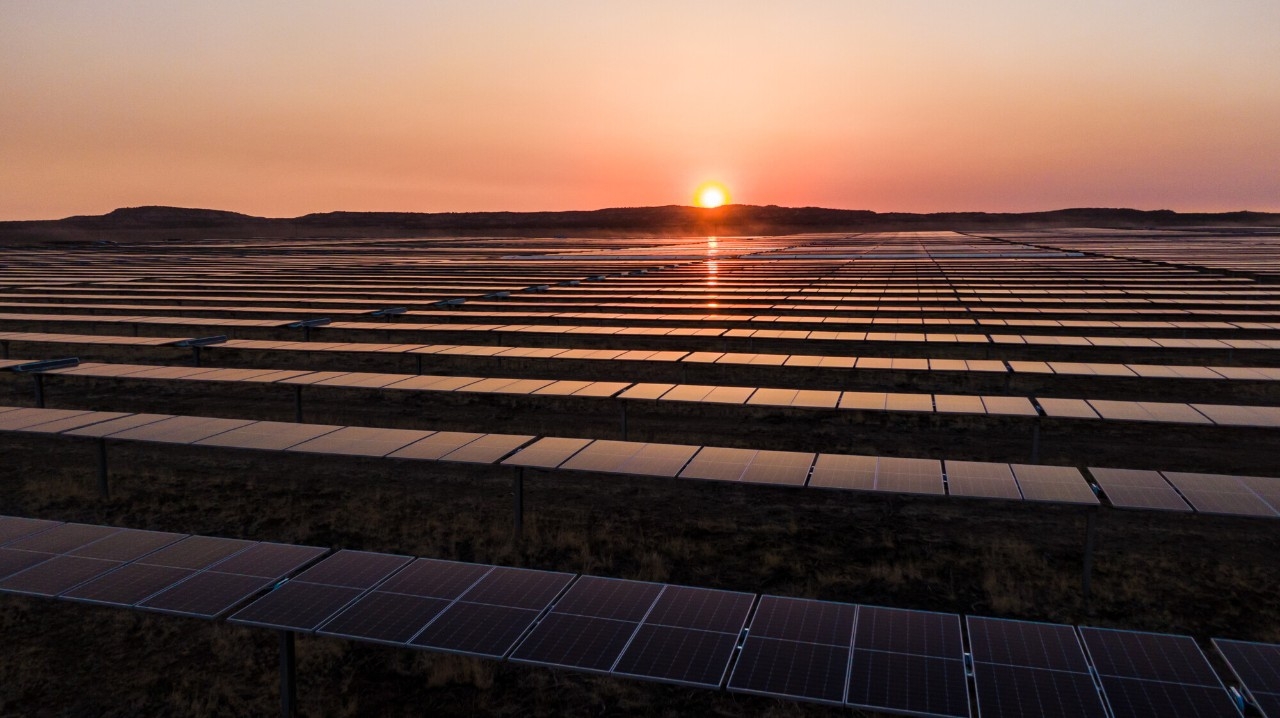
pixel 1091 521
pixel 623 406
pixel 103 489
pixel 1035 443
pixel 517 491
pixel 306 333
pixel 39 380
pixel 419 365
pixel 288 685
pixel 195 356
pixel 297 403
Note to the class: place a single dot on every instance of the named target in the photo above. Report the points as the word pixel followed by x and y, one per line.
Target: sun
pixel 711 195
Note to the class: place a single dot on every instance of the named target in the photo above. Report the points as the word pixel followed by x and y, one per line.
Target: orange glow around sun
pixel 711 195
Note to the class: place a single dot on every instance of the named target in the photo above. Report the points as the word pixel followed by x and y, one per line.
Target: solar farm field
pixel 1020 473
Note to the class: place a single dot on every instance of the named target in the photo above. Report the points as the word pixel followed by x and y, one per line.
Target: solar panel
pixel 909 476
pixel 1257 666
pixel 13 560
pixel 491 616
pixel 718 464
pixel 181 429
pixel 658 460
pixel 609 598
pixel 909 662
pixel 128 584
pixel 1028 669
pixel 547 453
pixel 958 404
pixel 488 448
pixel 23 418
pixel 574 641
pixel 518 587
pixel 796 648
pixel 677 655
pixel 270 560
pixel 1219 494
pixel 981 479
pixel 1009 405
pixel 361 441
pixel 296 606
pixel 385 617
pixel 353 569
pixel 1129 488
pixel 1057 484
pixel 126 545
pixel 63 538
pixel 844 471
pixel 114 426
pixel 195 552
pixel 74 422
pixel 433 578
pixel 1150 674
pixel 1067 408
pixel 51 577
pixel 208 594
pixel 268 435
pixel 14 527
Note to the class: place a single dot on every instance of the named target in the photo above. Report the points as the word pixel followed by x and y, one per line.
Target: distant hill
pixel 152 223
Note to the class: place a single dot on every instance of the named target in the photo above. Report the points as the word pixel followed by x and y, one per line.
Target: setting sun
pixel 711 195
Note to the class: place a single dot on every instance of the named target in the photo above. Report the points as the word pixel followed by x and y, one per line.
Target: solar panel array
pixel 1252 496
pixel 1160 345
pixel 870 657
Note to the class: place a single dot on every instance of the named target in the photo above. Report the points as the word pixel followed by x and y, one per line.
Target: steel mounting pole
pixel 288 684
pixel 517 490
pixel 103 489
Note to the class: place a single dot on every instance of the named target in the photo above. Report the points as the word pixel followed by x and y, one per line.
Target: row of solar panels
pixel 808 361
pixel 798 335
pixel 869 657
pixel 561 310
pixel 730 321
pixel 1008 406
pixel 758 282
pixel 1124 488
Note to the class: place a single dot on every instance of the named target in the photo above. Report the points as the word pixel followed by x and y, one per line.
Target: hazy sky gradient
pixel 279 109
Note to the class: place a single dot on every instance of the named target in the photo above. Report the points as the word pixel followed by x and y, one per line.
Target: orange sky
pixel 998 105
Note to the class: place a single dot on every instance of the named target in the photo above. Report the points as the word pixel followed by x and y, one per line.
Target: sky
pixel 283 108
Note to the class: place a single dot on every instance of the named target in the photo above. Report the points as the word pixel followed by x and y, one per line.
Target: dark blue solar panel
pixel 14 527
pixel 579 642
pixel 1026 643
pixel 609 598
pixel 63 538
pixel 206 595
pixel 128 584
pixel 383 617
pixel 797 648
pixel 792 669
pixel 476 629
pixel 678 655
pixel 1257 665
pixel 1026 668
pixel 1146 674
pixel 13 560
pixel 297 606
pixel 52 577
pixel 904 683
pixel 1006 691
